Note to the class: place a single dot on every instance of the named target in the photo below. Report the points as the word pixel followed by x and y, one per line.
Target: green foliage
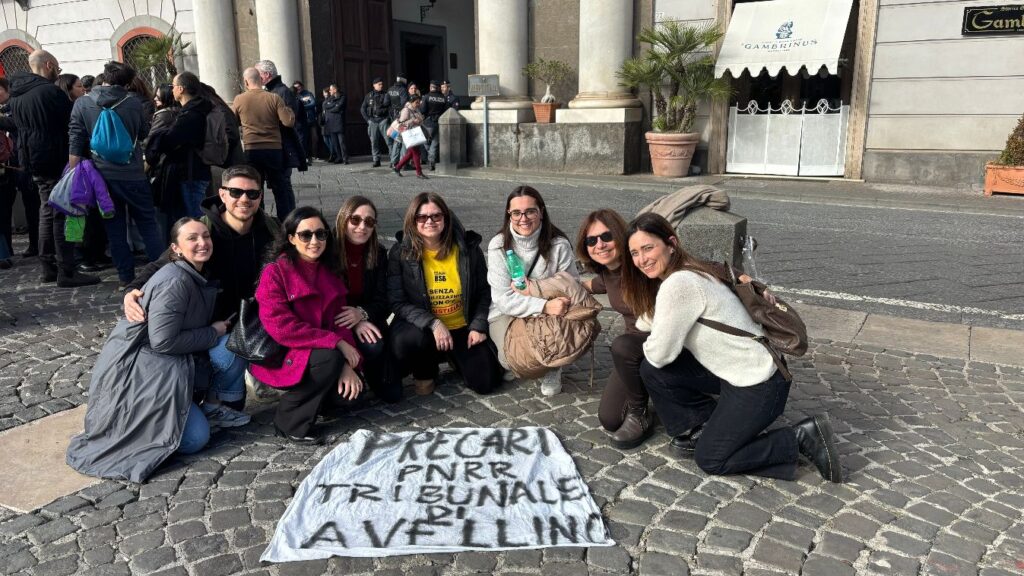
pixel 1013 153
pixel 155 57
pixel 678 70
pixel 549 72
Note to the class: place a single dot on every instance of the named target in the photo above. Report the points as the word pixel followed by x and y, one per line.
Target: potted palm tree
pixel 1007 174
pixel 549 72
pixel 678 69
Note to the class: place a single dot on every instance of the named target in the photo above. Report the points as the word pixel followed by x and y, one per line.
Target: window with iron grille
pixel 14 59
pixel 155 73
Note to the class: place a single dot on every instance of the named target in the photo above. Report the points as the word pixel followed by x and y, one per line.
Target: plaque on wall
pixel 989 20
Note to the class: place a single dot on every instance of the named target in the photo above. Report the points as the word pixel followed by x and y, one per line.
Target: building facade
pixel 911 99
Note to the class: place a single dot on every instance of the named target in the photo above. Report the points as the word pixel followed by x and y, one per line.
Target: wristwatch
pixel 363 313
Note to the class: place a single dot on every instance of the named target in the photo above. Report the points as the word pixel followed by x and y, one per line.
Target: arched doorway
pixel 150 53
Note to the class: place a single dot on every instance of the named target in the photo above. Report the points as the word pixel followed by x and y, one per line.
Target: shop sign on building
pixel 989 20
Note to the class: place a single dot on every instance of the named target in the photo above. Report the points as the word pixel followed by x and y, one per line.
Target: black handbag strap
pixel 780 361
pixel 533 265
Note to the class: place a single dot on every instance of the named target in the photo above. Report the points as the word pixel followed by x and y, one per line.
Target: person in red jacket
pixel 299 294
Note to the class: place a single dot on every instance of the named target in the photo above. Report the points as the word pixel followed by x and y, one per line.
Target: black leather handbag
pixel 249 339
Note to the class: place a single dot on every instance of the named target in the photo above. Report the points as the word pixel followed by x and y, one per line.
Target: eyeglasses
pixel 605 236
pixel 355 220
pixel 306 236
pixel 236 193
pixel 436 218
pixel 529 213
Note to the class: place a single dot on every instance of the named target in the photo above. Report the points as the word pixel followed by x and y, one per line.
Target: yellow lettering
pixel 984 24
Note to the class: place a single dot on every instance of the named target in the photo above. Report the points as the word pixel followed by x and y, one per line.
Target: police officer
pixel 449 96
pixel 398 95
pixel 375 110
pixel 434 104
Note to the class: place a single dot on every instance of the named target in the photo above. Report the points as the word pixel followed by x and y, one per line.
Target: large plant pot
pixel 1005 179
pixel 545 111
pixel 671 152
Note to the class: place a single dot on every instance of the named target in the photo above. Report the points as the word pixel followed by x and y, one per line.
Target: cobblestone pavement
pixel 933 448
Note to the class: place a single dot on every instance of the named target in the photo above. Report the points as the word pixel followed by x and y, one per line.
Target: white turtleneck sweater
pixel 505 300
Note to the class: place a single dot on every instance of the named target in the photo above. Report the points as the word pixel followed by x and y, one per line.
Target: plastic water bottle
pixel 749 266
pixel 515 269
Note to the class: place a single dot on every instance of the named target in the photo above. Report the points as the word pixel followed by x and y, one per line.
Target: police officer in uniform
pixel 449 96
pixel 433 106
pixel 375 110
pixel 398 95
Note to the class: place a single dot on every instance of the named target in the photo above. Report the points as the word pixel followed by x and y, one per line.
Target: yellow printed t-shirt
pixel 444 287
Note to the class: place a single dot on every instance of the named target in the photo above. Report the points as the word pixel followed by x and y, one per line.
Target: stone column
pixel 502 36
pixel 277 28
pixel 606 41
pixel 216 47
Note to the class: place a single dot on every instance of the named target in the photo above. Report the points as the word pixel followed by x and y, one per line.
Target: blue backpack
pixel 110 140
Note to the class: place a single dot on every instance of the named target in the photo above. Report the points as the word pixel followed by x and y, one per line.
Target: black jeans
pixel 338 146
pixel 416 351
pixel 624 385
pixel 378 369
pixel 271 165
pixel 11 184
pixel 731 442
pixel 299 405
pixel 54 249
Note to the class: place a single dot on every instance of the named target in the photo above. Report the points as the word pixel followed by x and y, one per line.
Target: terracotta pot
pixel 671 152
pixel 545 112
pixel 1005 179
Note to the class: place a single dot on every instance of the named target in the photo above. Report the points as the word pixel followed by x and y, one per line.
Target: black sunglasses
pixel 356 220
pixel 236 193
pixel 435 218
pixel 306 236
pixel 605 236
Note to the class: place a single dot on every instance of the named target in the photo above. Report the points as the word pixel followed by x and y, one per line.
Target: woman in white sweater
pixel 686 363
pixel 544 250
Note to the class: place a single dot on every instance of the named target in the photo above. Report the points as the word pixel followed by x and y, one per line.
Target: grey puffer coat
pixel 142 383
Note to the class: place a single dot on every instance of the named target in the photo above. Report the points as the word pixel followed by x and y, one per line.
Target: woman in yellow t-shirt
pixel 437 288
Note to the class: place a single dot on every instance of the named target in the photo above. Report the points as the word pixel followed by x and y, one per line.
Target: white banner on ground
pixel 439 490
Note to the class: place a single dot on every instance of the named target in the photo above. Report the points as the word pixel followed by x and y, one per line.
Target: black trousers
pixel 624 385
pixel 338 138
pixel 378 369
pixel 299 405
pixel 54 249
pixel 11 184
pixel 416 351
pixel 732 442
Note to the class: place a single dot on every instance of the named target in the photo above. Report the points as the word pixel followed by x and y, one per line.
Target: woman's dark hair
pixel 87 81
pixel 548 231
pixel 416 244
pixel 415 98
pixel 615 224
pixel 175 230
pixel 291 223
pixel 348 208
pixel 207 92
pixel 165 93
pixel 141 87
pixel 66 82
pixel 638 291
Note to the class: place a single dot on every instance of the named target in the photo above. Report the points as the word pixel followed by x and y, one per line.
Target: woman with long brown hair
pixel 544 250
pixel 364 267
pixel 437 288
pixel 686 363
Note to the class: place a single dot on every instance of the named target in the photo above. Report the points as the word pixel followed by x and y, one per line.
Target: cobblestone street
pixel 933 450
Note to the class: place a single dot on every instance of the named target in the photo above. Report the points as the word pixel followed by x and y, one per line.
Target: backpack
pixel 215 144
pixel 110 140
pixel 6 148
pixel 784 330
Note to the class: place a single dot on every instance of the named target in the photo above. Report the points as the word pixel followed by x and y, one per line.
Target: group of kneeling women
pixel 326 296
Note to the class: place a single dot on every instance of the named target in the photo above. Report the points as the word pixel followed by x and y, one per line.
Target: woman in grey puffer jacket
pixel 544 250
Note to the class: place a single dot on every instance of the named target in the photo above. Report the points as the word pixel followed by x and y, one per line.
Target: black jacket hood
pixel 24 82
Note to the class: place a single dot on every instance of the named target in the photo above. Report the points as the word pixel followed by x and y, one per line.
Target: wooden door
pixel 351 45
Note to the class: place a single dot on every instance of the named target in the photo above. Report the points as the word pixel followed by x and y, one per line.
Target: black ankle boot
pixel 817 443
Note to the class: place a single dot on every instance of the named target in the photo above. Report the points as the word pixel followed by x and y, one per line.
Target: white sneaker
pixel 221 416
pixel 551 383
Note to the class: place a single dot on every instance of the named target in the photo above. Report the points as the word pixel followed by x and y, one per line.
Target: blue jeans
pixel 135 198
pixel 196 433
pixel 193 192
pixel 395 149
pixel 228 373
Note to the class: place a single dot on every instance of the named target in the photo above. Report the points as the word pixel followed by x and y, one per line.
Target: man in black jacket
pixel 183 142
pixel 433 106
pixel 42 112
pixel 375 111
pixel 398 95
pixel 241 233
pixel 294 155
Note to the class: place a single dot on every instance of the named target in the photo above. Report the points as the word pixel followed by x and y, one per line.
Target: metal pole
pixel 487 136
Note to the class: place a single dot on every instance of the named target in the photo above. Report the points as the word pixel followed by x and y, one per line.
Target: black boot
pixel 48 272
pixel 72 279
pixel 636 428
pixel 396 171
pixel 685 444
pixel 817 443
pixel 376 163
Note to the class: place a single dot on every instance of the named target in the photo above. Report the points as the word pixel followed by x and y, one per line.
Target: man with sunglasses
pixel 241 232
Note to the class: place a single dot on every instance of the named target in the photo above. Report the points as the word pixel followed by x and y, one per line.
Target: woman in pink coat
pixel 299 294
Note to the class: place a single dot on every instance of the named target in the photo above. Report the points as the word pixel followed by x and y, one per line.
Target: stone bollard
pixel 714 235
pixel 451 127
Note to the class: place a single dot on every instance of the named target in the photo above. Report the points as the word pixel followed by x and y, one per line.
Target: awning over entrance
pixel 784 34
